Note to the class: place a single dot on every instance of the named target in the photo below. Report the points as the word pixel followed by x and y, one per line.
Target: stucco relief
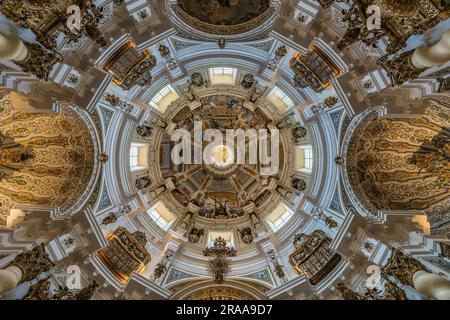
pixel 46 159
pixel 402 164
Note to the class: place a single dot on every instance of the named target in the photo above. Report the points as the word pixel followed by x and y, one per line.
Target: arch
pixel 208 290
pixel 400 163
pixel 48 160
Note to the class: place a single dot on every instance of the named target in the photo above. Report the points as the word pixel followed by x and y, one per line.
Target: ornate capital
pixel 33 263
pixel 39 61
pixel 401 69
pixel 347 293
pixel 402 267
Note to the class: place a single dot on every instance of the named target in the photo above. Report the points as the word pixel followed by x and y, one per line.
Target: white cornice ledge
pixel 149 286
pixel 291 288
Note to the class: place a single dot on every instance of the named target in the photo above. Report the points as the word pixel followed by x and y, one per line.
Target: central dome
pixel 222 156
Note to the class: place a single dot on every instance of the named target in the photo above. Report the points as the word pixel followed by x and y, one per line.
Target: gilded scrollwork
pixel 33 262
pixel 402 267
pixel 399 20
pixel 125 253
pixel 400 164
pixel 313 256
pixel 219 264
pixel 219 293
pixel 52 165
pixel 48 18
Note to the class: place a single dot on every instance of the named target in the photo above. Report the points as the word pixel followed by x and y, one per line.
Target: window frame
pixel 161 95
pixel 157 218
pixel 134 156
pixel 282 96
pixel 222 71
pixel 308 158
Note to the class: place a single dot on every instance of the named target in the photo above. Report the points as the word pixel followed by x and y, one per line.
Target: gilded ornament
pixel 313 257
pixel 125 253
pixel 218 264
pixel 33 263
pixel 402 267
pixel 39 291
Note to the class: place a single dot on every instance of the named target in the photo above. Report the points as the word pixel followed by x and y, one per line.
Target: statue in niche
pixel 145 132
pixel 221 209
pixel 298 184
pixel 195 234
pixel 143 183
pixel 299 133
pixel 246 235
pixel 233 103
pixel 248 81
pixel 205 212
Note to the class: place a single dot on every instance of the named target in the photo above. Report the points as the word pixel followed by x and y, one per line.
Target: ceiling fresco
pixel 224 12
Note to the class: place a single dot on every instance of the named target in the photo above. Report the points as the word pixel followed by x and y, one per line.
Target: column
pixel 428 57
pixel 411 272
pixel 25 267
pixel 10 278
pixel 12 49
pixel 410 65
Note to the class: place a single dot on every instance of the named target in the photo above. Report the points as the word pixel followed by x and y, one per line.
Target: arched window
pixel 279 217
pixel 304 158
pixel 223 75
pixel 164 98
pixel 280 99
pixel 138 156
pixel 161 216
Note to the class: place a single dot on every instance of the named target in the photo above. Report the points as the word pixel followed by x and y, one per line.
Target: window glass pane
pixel 222 71
pixel 163 99
pixel 282 219
pixel 160 221
pixel 278 93
pixel 308 158
pixel 134 156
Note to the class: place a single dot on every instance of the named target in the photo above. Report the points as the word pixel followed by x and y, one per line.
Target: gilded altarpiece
pixel 219 293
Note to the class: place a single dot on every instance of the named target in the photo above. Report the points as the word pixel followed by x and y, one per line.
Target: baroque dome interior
pixel 224 150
